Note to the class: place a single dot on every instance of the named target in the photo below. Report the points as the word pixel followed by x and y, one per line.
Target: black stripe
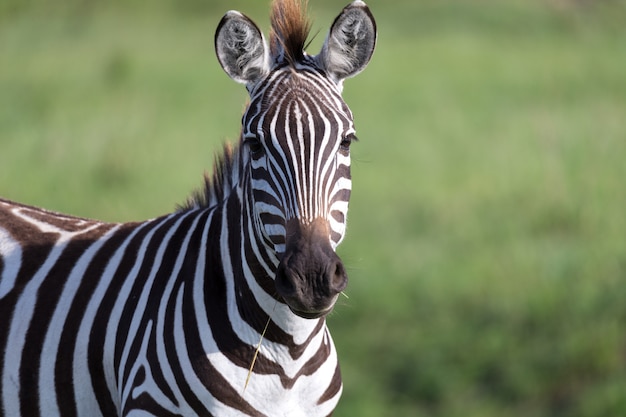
pixel 64 384
pixel 97 337
pixel 47 298
pixel 128 312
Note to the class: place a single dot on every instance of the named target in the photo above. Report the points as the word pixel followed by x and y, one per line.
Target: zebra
pixel 219 308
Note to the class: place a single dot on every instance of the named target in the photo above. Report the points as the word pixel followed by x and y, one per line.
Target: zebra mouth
pixel 310 275
pixel 311 314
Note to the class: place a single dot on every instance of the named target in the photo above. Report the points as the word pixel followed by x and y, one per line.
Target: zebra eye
pixel 254 144
pixel 347 141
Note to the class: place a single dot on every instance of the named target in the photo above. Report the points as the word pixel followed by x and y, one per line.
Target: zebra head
pixel 296 138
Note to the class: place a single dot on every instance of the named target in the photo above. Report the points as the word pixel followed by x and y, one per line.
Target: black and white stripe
pixel 307 176
pixel 163 317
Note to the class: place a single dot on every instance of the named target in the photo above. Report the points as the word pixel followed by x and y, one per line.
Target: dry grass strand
pixel 256 354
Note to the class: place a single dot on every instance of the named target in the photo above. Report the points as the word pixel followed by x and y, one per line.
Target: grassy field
pixel 487 230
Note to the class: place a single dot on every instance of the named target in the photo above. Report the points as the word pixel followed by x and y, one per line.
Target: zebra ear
pixel 350 42
pixel 241 48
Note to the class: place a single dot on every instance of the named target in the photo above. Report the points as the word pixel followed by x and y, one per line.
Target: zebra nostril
pixel 338 271
pixel 339 279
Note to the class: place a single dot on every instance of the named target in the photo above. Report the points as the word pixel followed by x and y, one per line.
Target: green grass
pixel 486 241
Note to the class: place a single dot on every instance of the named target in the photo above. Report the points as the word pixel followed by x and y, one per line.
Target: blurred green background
pixel 487 231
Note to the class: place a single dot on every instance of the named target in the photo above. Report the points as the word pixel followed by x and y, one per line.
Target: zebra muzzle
pixel 310 275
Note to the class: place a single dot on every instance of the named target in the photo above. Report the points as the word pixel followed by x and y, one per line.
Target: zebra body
pixel 109 259
pixel 164 317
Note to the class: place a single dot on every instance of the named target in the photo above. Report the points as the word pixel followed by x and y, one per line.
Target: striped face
pixel 298 132
pixel 296 136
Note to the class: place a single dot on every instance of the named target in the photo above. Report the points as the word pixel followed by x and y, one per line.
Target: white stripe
pixel 23 315
pixel 80 371
pixel 114 319
pixel 164 362
pixel 11 254
pixel 141 304
pixel 50 348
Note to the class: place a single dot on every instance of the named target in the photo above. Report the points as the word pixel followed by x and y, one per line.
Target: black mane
pixel 217 186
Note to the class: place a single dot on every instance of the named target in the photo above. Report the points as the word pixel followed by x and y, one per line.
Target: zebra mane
pixel 290 30
pixel 218 185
